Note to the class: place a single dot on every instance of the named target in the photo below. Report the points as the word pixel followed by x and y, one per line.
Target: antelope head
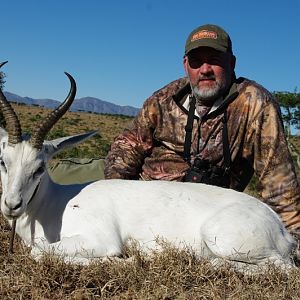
pixel 23 159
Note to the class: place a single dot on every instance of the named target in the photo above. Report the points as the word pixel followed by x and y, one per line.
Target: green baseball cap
pixel 209 36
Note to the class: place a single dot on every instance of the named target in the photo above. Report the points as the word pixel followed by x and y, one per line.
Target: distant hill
pixel 88 104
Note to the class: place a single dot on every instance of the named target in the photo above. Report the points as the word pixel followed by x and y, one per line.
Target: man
pixel 211 127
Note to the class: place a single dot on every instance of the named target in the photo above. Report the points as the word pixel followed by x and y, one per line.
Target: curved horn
pixel 13 126
pixel 40 133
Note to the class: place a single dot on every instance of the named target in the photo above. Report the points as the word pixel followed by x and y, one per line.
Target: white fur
pixel 83 222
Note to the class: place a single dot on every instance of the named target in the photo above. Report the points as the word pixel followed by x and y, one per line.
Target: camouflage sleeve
pixel 127 153
pixel 129 149
pixel 278 184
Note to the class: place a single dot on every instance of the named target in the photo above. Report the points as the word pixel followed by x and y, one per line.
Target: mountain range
pixel 88 104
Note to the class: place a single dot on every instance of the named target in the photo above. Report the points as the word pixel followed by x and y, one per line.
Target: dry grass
pixel 171 274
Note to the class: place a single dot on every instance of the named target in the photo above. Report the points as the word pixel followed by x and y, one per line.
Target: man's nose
pixel 205 68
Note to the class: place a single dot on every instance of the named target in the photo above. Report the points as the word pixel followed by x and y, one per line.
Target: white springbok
pixel 82 222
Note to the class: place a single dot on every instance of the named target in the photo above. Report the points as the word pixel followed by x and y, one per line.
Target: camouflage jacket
pixel 152 148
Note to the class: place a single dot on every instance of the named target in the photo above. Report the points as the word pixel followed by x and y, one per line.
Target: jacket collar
pixel 181 96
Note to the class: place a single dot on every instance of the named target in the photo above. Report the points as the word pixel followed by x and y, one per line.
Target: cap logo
pixel 204 34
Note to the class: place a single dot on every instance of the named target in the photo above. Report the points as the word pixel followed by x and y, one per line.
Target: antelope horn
pixel 13 126
pixel 40 133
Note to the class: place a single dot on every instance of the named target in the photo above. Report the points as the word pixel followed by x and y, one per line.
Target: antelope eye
pixel 2 165
pixel 39 171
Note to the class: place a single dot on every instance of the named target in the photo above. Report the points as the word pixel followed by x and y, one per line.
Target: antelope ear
pixel 53 147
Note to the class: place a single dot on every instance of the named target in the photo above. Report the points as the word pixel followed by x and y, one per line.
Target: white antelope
pixel 96 220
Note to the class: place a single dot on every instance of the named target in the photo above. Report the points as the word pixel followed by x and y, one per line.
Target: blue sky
pixel 122 51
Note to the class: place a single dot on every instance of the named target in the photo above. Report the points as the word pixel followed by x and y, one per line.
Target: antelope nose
pixel 13 206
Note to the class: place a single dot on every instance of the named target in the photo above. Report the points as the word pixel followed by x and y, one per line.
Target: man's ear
pixel 185 64
pixel 233 61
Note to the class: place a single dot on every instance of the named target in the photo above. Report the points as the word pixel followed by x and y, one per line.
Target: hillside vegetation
pixel 109 127
pixel 171 274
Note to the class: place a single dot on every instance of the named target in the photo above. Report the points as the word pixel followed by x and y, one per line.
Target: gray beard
pixel 208 96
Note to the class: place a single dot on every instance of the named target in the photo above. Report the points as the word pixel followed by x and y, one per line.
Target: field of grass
pixel 171 274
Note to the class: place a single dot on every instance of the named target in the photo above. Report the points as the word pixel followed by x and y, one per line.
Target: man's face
pixel 210 73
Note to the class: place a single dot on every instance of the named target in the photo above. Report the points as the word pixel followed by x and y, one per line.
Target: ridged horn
pixel 40 133
pixel 13 125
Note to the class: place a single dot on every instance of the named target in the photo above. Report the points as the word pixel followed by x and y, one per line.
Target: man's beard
pixel 208 95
